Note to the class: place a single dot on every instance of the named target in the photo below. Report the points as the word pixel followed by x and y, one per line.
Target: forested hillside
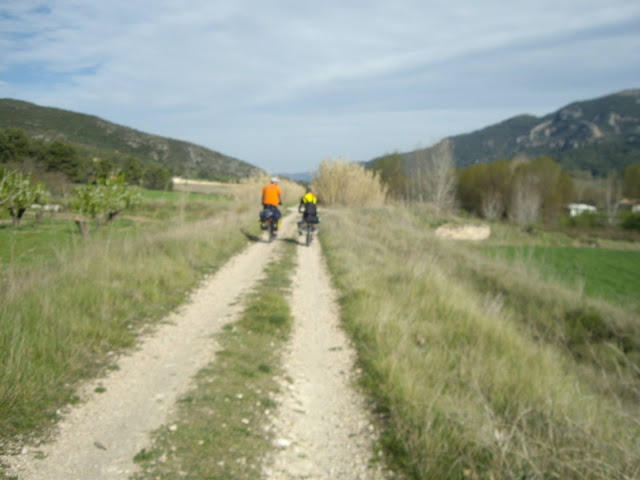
pixel 91 137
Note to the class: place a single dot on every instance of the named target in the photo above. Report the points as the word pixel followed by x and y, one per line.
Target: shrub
pixel 18 193
pixel 586 220
pixel 341 183
pixel 631 222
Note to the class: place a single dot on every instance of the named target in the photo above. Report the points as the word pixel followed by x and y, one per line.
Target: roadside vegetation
pixel 485 368
pixel 343 183
pixel 219 428
pixel 67 304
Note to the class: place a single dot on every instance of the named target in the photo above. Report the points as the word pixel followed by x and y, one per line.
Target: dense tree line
pixel 78 166
pixel 520 190
pixel 524 191
pixel 430 179
pixel 631 181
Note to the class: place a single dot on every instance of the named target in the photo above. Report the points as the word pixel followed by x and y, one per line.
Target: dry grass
pixel 471 392
pixel 341 183
pixel 248 191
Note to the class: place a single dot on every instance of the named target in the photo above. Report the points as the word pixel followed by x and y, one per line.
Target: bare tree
pixel 612 196
pixel 526 201
pixel 492 205
pixel 435 176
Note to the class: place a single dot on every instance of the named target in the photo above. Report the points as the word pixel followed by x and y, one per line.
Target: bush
pixel 586 220
pixel 631 222
pixel 342 183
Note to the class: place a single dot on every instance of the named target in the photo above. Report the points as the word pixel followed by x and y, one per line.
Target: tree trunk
pixel 16 215
pixel 111 216
pixel 83 226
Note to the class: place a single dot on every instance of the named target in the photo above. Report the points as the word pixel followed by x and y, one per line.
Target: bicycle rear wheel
pixel 309 234
pixel 271 231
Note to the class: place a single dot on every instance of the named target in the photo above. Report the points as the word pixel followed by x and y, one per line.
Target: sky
pixel 285 84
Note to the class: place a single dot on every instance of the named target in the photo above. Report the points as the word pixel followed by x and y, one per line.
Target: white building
pixel 576 209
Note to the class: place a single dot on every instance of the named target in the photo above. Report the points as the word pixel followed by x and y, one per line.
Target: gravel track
pixel 98 439
pixel 322 427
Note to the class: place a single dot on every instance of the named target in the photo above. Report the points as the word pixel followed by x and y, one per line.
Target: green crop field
pixel 612 275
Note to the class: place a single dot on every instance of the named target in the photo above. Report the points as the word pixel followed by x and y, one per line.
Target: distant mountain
pixel 298 177
pixel 105 138
pixel 594 135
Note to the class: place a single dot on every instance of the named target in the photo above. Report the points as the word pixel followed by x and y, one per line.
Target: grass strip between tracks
pixel 220 427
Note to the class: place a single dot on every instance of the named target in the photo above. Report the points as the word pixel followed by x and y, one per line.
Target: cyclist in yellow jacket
pixel 308 208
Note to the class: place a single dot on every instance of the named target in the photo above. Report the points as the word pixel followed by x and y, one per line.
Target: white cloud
pixel 280 83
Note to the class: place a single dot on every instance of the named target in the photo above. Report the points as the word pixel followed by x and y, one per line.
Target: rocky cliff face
pixel 576 126
pixel 597 134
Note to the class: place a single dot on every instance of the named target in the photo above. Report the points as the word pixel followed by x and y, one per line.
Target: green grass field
pixel 612 275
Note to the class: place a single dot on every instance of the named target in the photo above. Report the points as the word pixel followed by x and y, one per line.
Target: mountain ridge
pixel 596 135
pixel 95 134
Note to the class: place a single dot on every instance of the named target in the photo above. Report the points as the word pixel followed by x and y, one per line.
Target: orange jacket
pixel 271 195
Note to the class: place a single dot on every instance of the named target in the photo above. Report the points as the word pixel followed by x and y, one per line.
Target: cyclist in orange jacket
pixel 271 199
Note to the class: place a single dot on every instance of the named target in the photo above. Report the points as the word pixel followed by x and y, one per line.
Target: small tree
pixel 102 202
pixel 612 196
pixel 492 205
pixel 435 178
pixel 18 193
pixel 526 200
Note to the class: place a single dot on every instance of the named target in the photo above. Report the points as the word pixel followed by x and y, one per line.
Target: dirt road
pixel 323 431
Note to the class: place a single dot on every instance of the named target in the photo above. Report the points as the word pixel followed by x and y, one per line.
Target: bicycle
pixel 309 230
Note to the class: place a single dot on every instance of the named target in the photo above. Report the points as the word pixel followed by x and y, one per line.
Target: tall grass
pixel 341 183
pixel 59 322
pixel 472 390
